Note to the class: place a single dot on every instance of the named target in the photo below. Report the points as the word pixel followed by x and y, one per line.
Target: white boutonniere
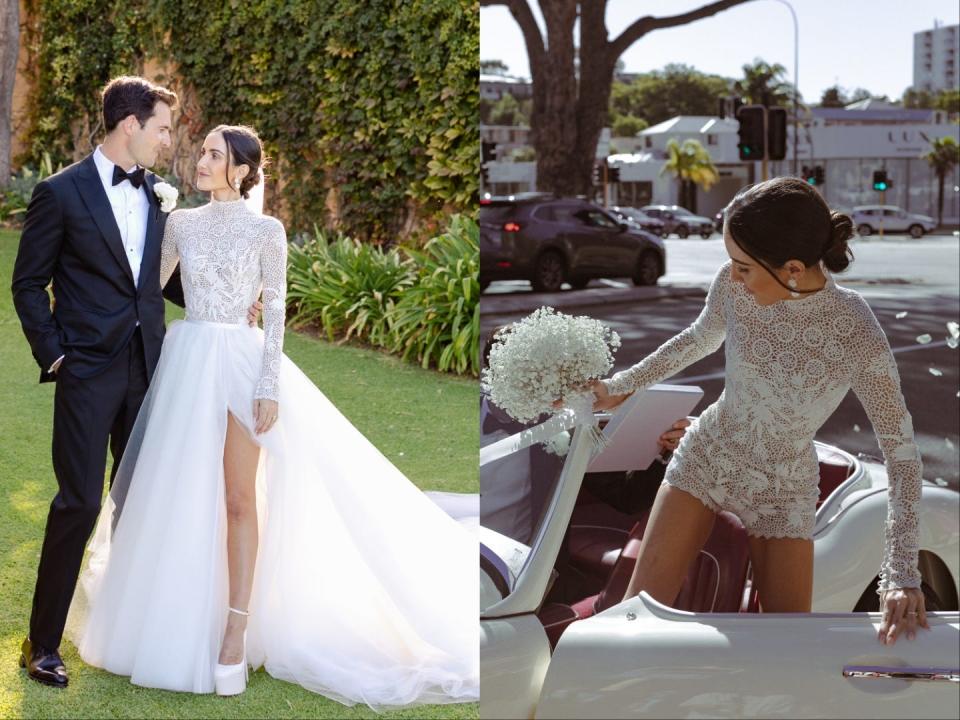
pixel 167 194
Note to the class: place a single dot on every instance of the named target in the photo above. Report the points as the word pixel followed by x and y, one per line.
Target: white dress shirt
pixel 131 208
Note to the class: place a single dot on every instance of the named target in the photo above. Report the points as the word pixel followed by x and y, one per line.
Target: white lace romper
pixel 788 366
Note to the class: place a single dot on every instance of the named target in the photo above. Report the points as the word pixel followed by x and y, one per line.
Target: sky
pixel 853 43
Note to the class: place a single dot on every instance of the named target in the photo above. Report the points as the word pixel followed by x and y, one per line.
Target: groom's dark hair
pixel 130 95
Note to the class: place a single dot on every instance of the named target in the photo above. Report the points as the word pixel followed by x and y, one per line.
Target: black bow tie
pixel 135 177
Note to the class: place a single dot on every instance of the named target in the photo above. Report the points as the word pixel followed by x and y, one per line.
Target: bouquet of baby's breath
pixel 548 356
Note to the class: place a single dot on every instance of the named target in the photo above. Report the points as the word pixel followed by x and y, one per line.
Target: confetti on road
pixel 954 329
pixel 924 339
pixel 856 428
pixel 901 315
pixel 952 342
pixel 948 442
pixel 935 372
pixel 940 481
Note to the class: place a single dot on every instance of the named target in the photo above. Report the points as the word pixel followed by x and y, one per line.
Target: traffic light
pixel 613 174
pixel 777 133
pixel 488 151
pixel 814 175
pixel 751 142
pixel 485 174
pixel 598 173
pixel 880 181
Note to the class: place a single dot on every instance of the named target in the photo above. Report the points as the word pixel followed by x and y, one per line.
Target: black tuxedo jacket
pixel 70 236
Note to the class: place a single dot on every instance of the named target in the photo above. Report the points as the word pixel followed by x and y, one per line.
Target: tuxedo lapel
pixel 151 243
pixel 95 198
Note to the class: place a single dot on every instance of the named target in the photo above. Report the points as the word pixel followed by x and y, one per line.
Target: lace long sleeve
pixel 703 337
pixel 877 387
pixel 273 267
pixel 169 255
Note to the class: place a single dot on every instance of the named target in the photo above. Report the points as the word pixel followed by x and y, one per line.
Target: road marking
pixel 720 375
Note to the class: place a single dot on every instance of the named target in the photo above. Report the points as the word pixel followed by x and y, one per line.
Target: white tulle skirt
pixel 365 590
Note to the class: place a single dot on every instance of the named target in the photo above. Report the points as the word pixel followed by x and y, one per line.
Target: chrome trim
pixel 902 673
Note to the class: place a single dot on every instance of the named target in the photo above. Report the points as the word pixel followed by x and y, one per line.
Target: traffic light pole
pixel 883 201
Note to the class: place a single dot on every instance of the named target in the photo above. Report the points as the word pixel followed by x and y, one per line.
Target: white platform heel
pixel 232 679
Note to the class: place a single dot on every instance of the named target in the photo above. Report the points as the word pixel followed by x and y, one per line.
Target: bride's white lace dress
pixel 364 590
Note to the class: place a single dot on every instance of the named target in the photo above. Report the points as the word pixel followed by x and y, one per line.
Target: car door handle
pixel 902 672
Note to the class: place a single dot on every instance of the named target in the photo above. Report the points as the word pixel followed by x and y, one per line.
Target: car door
pixel 615 247
pixel 579 238
pixel 892 222
pixel 641 659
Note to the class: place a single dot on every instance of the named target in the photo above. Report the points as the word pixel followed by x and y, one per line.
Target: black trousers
pixel 88 414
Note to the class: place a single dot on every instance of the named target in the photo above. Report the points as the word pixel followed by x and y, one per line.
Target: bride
pixel 250 524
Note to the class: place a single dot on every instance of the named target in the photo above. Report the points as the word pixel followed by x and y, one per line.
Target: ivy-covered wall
pixel 368 109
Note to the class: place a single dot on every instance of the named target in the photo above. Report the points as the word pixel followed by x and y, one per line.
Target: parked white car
pixel 869 218
pixel 547 654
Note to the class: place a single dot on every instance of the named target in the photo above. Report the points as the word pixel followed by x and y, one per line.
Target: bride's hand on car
pixel 903 611
pixel 671 438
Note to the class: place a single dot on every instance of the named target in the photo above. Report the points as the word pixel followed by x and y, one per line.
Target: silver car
pixel 868 219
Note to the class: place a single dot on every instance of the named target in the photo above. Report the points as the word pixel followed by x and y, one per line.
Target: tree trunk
pixel 568 112
pixel 9 49
pixel 940 177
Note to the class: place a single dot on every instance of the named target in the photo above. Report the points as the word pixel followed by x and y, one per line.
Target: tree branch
pixel 647 24
pixel 528 25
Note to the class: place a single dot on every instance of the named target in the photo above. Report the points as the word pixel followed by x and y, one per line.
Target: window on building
pixel 711 139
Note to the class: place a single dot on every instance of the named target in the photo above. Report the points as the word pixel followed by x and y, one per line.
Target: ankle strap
pixel 238 612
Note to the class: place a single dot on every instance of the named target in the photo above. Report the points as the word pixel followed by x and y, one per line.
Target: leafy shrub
pixel 437 320
pixel 16 197
pixel 421 304
pixel 347 286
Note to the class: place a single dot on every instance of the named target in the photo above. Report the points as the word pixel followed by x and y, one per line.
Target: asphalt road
pixel 895 275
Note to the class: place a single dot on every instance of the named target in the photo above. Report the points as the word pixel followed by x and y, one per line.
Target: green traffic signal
pixel 880 186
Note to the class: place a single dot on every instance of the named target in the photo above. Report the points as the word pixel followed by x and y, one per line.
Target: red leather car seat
pixel 714 582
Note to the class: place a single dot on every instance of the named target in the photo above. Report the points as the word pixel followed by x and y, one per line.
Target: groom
pixel 94 229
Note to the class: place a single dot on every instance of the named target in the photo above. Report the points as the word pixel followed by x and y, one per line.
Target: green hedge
pixel 370 105
pixel 421 304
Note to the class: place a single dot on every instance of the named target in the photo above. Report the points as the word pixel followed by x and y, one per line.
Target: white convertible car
pixel 556 642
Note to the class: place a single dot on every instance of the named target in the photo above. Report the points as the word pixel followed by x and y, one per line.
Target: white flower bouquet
pixel 545 357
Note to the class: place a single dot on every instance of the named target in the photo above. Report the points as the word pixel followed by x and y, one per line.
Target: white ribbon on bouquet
pixel 577 414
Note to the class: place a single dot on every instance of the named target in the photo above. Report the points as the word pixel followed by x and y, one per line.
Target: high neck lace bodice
pixel 227 254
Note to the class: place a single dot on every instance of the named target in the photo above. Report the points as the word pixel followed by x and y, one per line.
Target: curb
pixel 528 302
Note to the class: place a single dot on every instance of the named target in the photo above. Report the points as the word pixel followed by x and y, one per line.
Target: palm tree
pixel 764 84
pixel 943 156
pixel 690 163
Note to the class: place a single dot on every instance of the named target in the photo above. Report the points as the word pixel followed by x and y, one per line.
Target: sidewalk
pixel 525 302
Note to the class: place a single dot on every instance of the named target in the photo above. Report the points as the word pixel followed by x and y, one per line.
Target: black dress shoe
pixel 43 664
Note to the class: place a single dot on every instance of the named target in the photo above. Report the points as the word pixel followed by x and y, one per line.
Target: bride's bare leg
pixel 783 573
pixel 240 458
pixel 678 527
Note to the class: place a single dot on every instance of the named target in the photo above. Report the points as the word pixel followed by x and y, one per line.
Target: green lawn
pixel 424 422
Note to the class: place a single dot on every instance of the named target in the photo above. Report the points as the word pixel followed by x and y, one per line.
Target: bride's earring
pixel 793 284
pixel 236 184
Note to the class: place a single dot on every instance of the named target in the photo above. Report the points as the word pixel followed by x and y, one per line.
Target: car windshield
pixel 515 490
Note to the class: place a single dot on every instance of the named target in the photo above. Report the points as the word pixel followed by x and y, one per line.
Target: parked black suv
pixel 550 240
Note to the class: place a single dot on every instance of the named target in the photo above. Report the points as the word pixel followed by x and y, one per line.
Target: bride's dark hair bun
pixel 784 219
pixel 836 253
pixel 243 148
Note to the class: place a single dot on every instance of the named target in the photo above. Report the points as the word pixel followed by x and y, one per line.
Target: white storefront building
pixel 849 143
